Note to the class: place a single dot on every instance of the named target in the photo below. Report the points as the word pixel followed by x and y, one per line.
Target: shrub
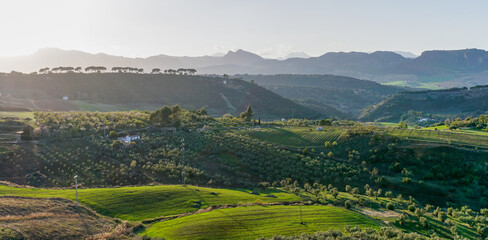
pixel 263 185
pixel 347 204
pixel 484 211
pixel 403 219
pixel 390 206
pixel 113 134
pixel 335 192
pixel 482 230
pixel 423 222
pixel 418 212
pixel 449 211
pixel 406 180
pixel 411 208
pixel 442 216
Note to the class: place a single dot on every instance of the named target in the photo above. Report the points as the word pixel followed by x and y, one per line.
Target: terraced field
pixel 140 203
pixel 251 222
pixel 294 137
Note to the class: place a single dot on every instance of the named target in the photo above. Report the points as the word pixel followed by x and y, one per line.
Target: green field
pixel 140 203
pixel 98 107
pixel 391 124
pixel 294 136
pixel 27 117
pixel 252 222
pixel 417 84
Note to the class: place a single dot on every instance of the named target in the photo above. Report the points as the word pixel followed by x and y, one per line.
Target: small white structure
pixel 129 138
pixel 319 128
pixel 65 98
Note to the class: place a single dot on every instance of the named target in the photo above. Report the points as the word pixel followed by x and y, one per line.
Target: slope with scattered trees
pixel 439 104
pixel 326 92
pixel 144 91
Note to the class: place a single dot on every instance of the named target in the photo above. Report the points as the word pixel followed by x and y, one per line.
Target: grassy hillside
pixel 140 203
pixel 348 95
pixel 257 221
pixel 435 104
pixel 120 91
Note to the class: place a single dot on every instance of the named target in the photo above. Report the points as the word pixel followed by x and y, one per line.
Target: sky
pixel 271 28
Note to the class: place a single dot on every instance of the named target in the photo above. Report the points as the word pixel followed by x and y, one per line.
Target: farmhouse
pixel 129 138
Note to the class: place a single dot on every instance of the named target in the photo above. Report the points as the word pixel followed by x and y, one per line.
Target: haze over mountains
pixel 432 69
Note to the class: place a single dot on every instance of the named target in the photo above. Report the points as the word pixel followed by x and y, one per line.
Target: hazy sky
pixel 272 28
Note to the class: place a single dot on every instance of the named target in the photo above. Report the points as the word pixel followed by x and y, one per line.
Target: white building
pixel 129 138
pixel 65 98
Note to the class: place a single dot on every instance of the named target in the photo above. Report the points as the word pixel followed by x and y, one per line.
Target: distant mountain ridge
pixel 437 68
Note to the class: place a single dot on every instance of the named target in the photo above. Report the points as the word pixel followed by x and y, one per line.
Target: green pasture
pixel 139 203
pixel 251 222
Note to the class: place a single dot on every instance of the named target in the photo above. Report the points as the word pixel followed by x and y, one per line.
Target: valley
pixel 247 178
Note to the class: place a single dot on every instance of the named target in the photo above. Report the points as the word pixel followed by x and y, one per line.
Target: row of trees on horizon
pixel 100 69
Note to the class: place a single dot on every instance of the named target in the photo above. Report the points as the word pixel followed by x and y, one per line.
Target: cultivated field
pixel 140 203
pixel 295 136
pixel 251 222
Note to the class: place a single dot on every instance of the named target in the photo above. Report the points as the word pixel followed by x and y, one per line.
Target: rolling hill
pixel 252 222
pixel 326 92
pixel 123 91
pixel 148 202
pixel 437 104
pixel 432 69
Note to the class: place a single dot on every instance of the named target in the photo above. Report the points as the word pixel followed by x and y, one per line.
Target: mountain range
pixel 432 69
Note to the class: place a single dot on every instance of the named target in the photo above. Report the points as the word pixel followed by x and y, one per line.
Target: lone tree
pixel 248 114
pixel 44 70
pixel 202 111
